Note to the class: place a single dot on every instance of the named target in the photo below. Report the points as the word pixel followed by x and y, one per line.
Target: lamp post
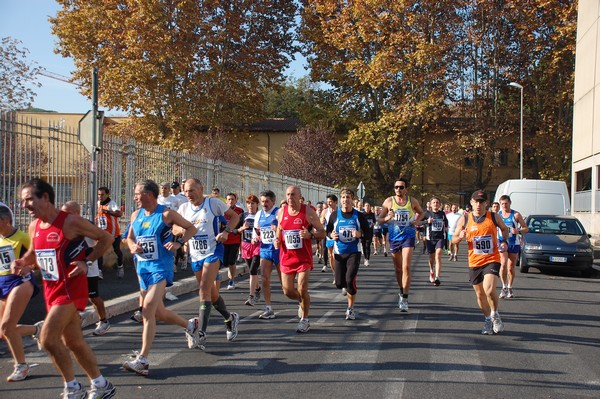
pixel 518 86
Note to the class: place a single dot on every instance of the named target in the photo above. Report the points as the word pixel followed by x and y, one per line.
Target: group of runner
pixel 270 237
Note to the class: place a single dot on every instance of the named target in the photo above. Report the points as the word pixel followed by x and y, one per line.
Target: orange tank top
pixel 483 241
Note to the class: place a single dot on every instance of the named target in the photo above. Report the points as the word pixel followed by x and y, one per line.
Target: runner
pixel 513 220
pixel 103 324
pixel 297 226
pixel 332 205
pixel 150 240
pixel 15 293
pixel 346 228
pixel 265 225
pixel 320 246
pixel 479 229
pixel 108 219
pixel 496 207
pixel 453 217
pixel 231 245
pixel 59 249
pixel 398 211
pixel 367 238
pixel 436 229
pixel 206 253
pixel 377 236
pixel 250 247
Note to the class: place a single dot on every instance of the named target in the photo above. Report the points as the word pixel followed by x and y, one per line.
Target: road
pixel 549 349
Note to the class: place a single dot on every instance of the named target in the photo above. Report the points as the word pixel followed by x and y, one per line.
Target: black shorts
pixel 476 274
pixel 230 254
pixel 93 287
pixel 434 244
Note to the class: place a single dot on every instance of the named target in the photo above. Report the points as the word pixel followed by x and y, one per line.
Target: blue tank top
pixel 267 233
pixel 152 234
pixel 510 222
pixel 401 227
pixel 344 227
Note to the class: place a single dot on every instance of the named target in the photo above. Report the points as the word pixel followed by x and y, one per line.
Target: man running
pixel 479 228
pixel 206 254
pixel 231 246
pixel 436 227
pixel 513 220
pixel 108 219
pixel 59 249
pixel 297 226
pixel 367 238
pixel 150 240
pixel 398 212
pixel 453 217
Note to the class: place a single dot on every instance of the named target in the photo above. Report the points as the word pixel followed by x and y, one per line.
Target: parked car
pixel 556 242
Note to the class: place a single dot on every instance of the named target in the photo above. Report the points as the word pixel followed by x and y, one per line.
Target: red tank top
pixel 54 254
pixel 294 249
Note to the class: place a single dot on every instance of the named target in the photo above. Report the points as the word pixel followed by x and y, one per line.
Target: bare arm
pixel 76 226
pixel 384 215
pixel 459 232
pixel 171 217
pixel 524 229
pixel 313 219
pixel 501 226
pixel 417 209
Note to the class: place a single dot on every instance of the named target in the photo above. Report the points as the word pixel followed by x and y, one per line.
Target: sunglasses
pixel 399 187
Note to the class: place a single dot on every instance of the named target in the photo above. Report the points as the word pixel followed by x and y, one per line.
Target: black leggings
pixel 346 269
pixel 366 246
pixel 253 263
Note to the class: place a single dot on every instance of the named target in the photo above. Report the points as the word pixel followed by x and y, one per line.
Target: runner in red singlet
pixel 297 226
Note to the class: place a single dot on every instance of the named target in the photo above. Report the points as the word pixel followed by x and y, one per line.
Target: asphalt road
pixel 549 349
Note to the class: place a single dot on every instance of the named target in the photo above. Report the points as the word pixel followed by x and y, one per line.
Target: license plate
pixel 558 259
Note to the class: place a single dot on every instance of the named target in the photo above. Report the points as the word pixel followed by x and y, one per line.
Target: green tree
pixel 179 66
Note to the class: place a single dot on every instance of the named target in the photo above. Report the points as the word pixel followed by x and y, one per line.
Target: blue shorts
pixel 198 265
pixel 272 255
pixel 10 281
pixel 329 243
pixel 514 249
pixel 148 279
pixel 396 246
pixel 450 238
pixel 433 245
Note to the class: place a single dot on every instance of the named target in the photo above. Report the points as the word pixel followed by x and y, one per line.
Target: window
pixel 584 180
pixel 501 157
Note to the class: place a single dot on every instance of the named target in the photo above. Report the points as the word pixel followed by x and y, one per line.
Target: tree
pixel 387 63
pixel 179 66
pixel 18 76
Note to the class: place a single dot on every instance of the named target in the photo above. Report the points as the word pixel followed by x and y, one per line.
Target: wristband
pixel 180 241
pixel 228 229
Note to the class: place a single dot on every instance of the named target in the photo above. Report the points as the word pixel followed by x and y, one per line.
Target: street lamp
pixel 518 86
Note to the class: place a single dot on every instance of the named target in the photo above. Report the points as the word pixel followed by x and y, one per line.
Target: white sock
pixel 72 384
pixel 99 381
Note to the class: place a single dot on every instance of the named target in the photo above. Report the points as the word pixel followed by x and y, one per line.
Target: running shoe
pixel 324 269
pixel 102 327
pixel 488 327
pixel 403 304
pixel 366 262
pixel 455 257
pixel 385 254
pixel 450 256
pixel 350 315
pixel 267 314
pixel 436 282
pixel 231 285
pixel 105 392
pixel 170 296
pixel 257 295
pixel 375 253
pixel 510 294
pixel 137 317
pixel 20 372
pixel 303 326
pixel 120 271
pixel 344 291
pixel 74 393
pixel 503 293
pixel 251 301
pixel 232 326
pixel 497 325
pixel 36 334
pixel 192 333
pixel 139 365
pixel 431 277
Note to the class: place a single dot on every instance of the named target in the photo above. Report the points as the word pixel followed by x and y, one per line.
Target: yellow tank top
pixel 11 248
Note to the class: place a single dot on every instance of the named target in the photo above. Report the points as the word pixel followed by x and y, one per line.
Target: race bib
pixel 247 235
pixel 7 256
pixel 149 245
pixel 267 235
pixel 346 233
pixel 437 225
pixel 47 261
pixel 401 216
pixel 198 246
pixel 482 245
pixel 292 239
pixel 102 223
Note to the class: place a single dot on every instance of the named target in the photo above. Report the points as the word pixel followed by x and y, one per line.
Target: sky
pixel 27 21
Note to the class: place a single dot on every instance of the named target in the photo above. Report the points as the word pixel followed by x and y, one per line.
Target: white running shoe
pixel 344 291
pixel 403 304
pixel 503 293
pixel 139 365
pixel 251 301
pixel 20 372
pixel 74 393
pixel 232 326
pixel 105 392
pixel 323 269
pixel 170 296
pixel 102 327
pixel 350 315
pixel 192 334
pixel 36 334
pixel 303 326
pixel 497 324
pixel 137 317
pixel 488 327
pixel 366 262
pixel 267 314
pixel 231 285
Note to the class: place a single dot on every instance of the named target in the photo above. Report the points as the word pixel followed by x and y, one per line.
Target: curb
pixel 129 303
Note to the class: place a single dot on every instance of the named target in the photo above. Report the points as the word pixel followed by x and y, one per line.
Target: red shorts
pixel 74 291
pixel 296 268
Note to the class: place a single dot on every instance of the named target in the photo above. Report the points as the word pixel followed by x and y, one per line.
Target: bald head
pixel 71 207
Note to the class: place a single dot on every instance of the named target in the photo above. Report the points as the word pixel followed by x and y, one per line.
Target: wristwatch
pixel 180 241
pixel 228 229
pixel 89 263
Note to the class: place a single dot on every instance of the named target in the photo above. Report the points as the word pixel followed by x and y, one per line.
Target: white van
pixel 536 197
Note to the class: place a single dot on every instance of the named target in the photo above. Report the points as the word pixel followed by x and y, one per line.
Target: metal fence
pixel 54 153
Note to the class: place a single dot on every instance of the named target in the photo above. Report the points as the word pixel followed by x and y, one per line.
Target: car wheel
pixel 523 267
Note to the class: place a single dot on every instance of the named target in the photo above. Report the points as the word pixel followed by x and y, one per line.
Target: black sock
pixel 204 314
pixel 219 304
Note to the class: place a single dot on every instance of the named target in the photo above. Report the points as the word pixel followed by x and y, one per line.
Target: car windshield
pixel 554 225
